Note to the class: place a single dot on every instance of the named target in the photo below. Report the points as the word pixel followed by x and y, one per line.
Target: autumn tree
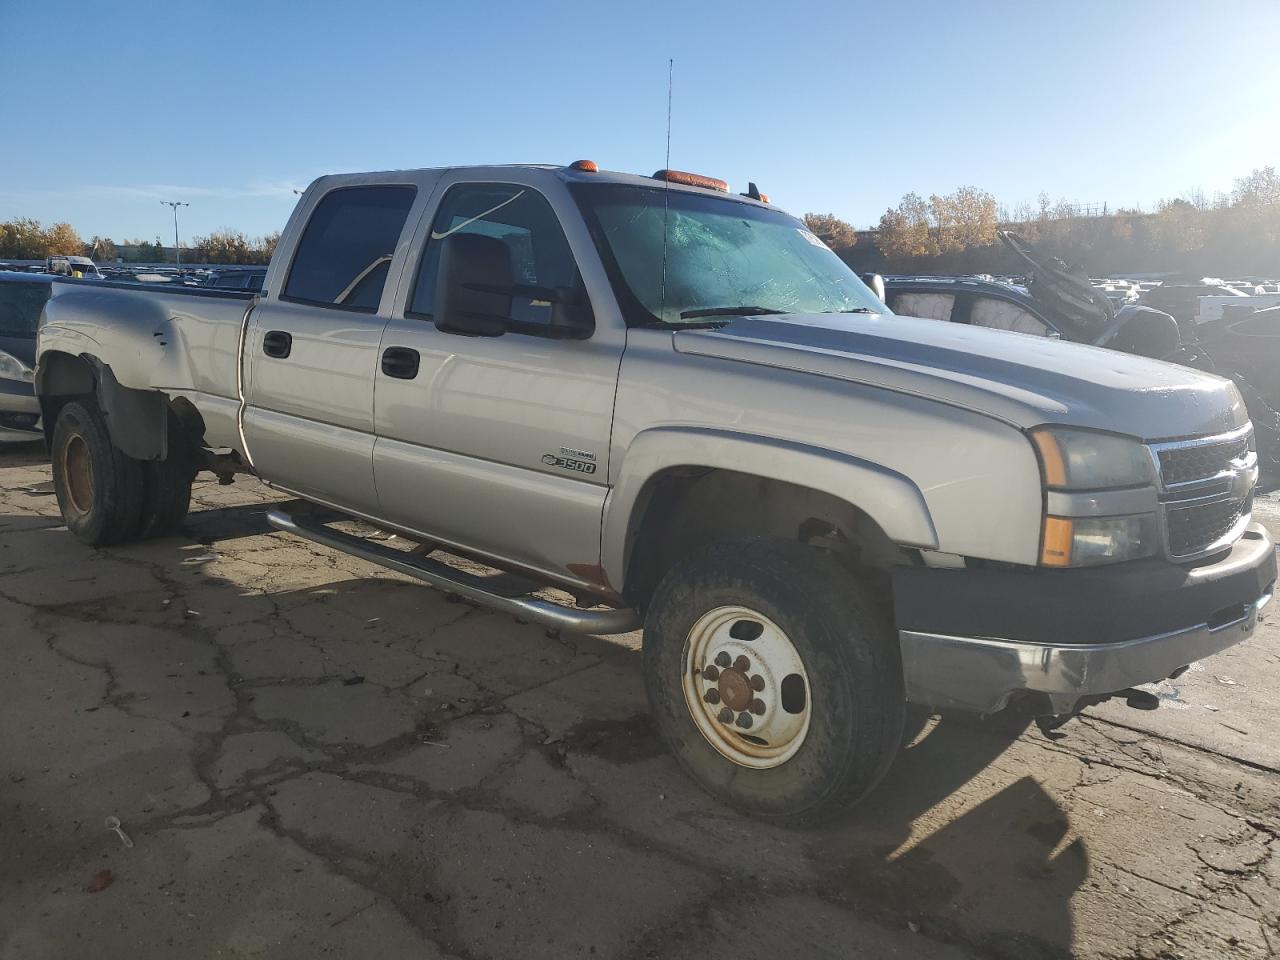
pixel 221 246
pixel 22 239
pixel 830 229
pixel 263 248
pixel 1260 188
pixel 904 229
pixel 62 240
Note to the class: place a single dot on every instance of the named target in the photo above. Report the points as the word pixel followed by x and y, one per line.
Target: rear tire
pixel 99 489
pixel 168 498
pixel 167 485
pixel 773 613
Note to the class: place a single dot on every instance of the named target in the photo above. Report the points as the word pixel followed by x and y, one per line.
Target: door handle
pixel 400 362
pixel 277 343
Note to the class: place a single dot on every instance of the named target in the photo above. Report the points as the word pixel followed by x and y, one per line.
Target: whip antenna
pixel 666 189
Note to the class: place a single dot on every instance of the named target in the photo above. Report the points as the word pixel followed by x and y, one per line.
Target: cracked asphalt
pixel 314 757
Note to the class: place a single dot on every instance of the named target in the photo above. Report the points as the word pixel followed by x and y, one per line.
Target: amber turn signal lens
pixel 586 166
pixel 691 180
pixel 1055 550
pixel 1055 469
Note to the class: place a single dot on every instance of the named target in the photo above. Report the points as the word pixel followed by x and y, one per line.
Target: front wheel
pixel 775 678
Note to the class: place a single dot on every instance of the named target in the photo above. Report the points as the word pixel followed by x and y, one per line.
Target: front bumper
pixel 1063 635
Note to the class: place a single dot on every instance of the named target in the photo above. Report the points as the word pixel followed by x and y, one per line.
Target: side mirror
pixel 473 271
pixel 875 282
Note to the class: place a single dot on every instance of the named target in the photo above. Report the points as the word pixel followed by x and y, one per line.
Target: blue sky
pixel 828 106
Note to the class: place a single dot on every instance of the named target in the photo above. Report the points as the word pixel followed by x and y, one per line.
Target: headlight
pixel 1085 541
pixel 1073 461
pixel 1082 460
pixel 11 368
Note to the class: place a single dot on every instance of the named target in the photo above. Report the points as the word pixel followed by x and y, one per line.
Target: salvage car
pixel 1059 301
pixel 22 297
pixel 680 408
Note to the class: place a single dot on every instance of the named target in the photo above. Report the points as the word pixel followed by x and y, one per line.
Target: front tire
pixel 775 679
pixel 99 489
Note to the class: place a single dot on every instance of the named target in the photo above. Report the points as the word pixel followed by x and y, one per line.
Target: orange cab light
pixel 586 166
pixel 692 180
pixel 764 198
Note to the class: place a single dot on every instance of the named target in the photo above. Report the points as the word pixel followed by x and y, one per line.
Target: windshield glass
pixel 20 306
pixel 720 254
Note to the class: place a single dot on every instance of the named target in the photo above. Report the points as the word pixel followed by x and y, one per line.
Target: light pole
pixel 177 249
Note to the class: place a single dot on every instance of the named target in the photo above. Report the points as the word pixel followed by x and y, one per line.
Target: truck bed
pixel 181 340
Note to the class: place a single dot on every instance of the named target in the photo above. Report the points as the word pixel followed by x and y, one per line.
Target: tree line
pixel 1232 234
pixel 26 239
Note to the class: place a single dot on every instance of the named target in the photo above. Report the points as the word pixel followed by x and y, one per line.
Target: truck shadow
pixel 954 842
pixel 960 842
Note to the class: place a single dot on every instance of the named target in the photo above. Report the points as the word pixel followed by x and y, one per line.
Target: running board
pixel 465 585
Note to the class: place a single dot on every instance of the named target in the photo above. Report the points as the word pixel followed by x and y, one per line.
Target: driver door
pixel 500 444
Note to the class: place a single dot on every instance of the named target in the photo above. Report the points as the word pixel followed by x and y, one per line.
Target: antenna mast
pixel 666 190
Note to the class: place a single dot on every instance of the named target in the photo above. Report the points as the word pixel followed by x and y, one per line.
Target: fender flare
pixel 892 500
pixel 137 420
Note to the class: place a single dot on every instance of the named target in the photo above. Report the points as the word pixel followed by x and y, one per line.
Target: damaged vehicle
pixel 646 401
pixel 1059 301
pixel 22 297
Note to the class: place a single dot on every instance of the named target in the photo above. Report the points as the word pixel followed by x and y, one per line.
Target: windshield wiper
pixel 746 311
pixel 853 310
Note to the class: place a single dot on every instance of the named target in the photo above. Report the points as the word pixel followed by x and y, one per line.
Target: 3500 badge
pixel 568 463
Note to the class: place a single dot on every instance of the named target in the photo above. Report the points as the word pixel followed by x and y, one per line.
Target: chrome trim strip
pixel 981 674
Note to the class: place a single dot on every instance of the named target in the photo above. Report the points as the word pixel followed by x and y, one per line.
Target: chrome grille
pixel 1190 463
pixel 1206 492
pixel 1195 528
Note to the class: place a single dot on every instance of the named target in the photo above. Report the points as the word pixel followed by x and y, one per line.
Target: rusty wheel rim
pixel 746 687
pixel 77 468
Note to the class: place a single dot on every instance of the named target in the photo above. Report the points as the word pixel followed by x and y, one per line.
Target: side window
pixel 1002 315
pixel 346 248
pixel 540 257
pixel 931 306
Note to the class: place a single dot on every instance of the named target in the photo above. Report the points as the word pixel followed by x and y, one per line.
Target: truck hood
pixel 1021 379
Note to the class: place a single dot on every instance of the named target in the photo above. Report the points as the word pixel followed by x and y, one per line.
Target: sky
pixel 840 107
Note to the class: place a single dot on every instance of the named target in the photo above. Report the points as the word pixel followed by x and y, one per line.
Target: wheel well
pixel 142 423
pixel 684 509
pixel 63 377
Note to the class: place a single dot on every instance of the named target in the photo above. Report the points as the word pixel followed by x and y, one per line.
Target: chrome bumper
pixel 981 674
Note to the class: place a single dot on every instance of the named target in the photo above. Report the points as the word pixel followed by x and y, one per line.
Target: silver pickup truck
pixel 652 402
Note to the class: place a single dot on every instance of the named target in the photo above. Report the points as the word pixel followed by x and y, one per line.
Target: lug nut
pixel 744 721
pixel 756 707
pixel 709 672
pixel 712 696
pixel 757 683
pixel 742 664
pixel 722 659
pixel 725 716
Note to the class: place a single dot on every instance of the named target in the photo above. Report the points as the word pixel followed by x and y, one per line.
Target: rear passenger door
pixel 312 347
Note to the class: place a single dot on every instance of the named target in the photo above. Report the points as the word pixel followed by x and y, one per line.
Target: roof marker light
pixel 692 180
pixel 586 166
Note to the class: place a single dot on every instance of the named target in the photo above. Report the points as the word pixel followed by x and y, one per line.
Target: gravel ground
pixel 311 756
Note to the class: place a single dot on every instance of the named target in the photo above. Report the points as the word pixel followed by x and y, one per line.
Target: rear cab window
pixel 344 256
